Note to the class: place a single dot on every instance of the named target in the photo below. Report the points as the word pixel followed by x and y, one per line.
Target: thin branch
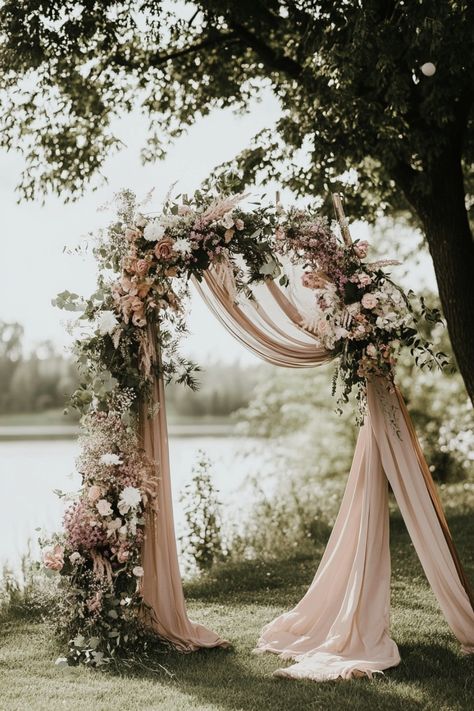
pixel 267 54
pixel 157 59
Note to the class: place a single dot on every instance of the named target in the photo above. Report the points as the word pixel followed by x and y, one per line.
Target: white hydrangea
pixel 130 498
pixel 106 322
pixel 154 231
pixel 182 246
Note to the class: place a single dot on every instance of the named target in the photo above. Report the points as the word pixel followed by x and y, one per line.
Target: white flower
pixel 182 246
pixel 340 333
pixel 107 322
pixel 75 557
pixel 138 571
pixel 371 350
pixel 227 221
pixel 132 524
pixel 130 498
pixel 115 524
pixel 110 460
pixel 153 231
pixel 104 507
pixel 140 221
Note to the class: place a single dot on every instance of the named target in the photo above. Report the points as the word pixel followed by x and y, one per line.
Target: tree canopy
pixel 376 99
pixel 347 76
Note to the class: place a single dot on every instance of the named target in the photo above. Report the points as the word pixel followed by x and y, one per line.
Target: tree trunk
pixel 446 225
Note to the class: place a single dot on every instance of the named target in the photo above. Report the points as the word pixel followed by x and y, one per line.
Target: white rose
pixel 110 460
pixel 140 221
pixel 75 557
pixel 154 231
pixel 104 507
pixel 138 571
pixel 106 322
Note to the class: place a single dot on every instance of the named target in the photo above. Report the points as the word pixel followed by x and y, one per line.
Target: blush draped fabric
pixel 164 609
pixel 341 626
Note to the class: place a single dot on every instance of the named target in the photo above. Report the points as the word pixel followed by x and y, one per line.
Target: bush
pixel 202 544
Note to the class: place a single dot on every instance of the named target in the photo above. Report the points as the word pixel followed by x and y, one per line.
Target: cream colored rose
pixel 94 493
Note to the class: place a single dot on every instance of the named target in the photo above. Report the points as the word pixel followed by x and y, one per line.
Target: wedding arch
pixel 298 295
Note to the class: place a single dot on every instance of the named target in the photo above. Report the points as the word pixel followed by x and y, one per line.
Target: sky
pixel 34 266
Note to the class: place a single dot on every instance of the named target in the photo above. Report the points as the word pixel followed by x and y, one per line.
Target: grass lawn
pixel 237 600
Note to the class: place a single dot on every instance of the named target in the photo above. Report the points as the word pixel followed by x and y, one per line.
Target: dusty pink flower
pixel 164 249
pixel 123 555
pixel 369 301
pixel 94 493
pixel 129 263
pixel 313 280
pixel 371 350
pixel 228 234
pixel 361 249
pixel 364 279
pixel 54 558
pixel 239 224
pixel 142 267
pixel 131 235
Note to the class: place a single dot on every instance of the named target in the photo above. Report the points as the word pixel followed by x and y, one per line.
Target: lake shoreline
pixel 22 433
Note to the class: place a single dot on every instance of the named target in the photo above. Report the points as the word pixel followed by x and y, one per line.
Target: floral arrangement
pixel 360 314
pixel 99 552
pixel 130 331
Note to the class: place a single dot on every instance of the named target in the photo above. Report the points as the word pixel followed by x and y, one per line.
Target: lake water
pixel 31 470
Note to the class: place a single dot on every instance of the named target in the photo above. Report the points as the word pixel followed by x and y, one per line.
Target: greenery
pixel 357 109
pixel 202 545
pixel 433 673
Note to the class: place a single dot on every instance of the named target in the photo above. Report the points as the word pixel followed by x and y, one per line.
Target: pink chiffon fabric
pixel 164 607
pixel 341 626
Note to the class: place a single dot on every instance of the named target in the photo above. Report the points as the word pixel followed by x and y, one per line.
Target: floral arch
pixel 298 294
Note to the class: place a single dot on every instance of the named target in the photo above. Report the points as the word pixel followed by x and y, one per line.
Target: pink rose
pixel 94 493
pixel 164 249
pixel 369 301
pixel 54 558
pixel 239 224
pixel 364 279
pixel 371 350
pixel 361 249
pixel 142 266
pixel 123 555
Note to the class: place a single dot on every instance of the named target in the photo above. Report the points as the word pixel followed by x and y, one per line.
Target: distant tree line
pixel 34 382
pixel 44 379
